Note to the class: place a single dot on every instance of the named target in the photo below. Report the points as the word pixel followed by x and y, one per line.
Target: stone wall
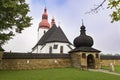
pixel 107 62
pixel 13 64
pixel 107 59
pixel 76 60
pixel 34 63
pixel 41 61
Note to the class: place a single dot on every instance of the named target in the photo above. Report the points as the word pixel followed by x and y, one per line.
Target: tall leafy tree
pixel 13 18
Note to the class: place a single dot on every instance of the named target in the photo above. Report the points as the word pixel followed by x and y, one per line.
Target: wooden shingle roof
pixel 55 34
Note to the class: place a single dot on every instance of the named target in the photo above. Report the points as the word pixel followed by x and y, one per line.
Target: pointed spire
pixel 52 21
pixel 83 29
pixel 45 15
pixel 44 23
pixel 82 23
pixel 59 24
pixel 45 10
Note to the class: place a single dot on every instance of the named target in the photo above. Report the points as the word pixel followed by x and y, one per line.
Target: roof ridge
pixel 46 36
pixel 54 34
pixel 58 36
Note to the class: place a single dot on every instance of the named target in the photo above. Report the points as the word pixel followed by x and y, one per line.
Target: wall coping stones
pixel 8 55
pixel 110 57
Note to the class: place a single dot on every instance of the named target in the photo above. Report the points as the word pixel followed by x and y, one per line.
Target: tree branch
pixel 96 8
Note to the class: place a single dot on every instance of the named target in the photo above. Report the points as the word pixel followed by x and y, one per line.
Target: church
pixel 51 38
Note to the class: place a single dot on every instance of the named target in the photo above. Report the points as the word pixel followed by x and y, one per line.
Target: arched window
pixel 50 50
pixel 83 55
pixel 61 49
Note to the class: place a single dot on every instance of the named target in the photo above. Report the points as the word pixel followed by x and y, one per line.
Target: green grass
pixel 117 68
pixel 55 74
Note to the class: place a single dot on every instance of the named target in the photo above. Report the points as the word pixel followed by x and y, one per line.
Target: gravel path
pixel 105 71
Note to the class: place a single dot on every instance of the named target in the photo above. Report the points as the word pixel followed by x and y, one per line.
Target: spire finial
pixel 59 23
pixel 45 2
pixel 83 29
pixel 82 23
pixel 45 9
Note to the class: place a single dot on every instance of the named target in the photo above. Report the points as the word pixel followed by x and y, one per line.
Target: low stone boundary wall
pixel 107 62
pixel 107 59
pixel 16 61
pixel 34 61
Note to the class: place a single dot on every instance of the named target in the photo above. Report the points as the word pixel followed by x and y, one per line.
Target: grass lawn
pixel 117 68
pixel 55 74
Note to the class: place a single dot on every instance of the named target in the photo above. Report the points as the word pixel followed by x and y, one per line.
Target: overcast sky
pixel 69 13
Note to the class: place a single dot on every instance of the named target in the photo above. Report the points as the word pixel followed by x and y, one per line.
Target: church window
pixel 50 50
pixel 55 46
pixel 83 55
pixel 97 56
pixel 44 31
pixel 61 49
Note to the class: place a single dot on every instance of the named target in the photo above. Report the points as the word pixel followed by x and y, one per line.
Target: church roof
pixel 84 49
pixel 83 42
pixel 57 36
pixel 54 34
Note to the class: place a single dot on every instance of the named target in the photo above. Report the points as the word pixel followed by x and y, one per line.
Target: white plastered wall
pixel 41 32
pixel 45 48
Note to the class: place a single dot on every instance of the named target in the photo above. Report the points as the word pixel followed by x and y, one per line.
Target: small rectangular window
pixel 50 50
pixel 83 55
pixel 61 49
pixel 55 46
pixel 97 55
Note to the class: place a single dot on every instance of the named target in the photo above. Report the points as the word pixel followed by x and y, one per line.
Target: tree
pixel 13 18
pixel 115 5
pixel 112 4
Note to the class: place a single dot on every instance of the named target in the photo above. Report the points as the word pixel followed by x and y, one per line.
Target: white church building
pixel 52 39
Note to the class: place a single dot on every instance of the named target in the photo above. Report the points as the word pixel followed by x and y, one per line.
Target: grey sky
pixel 69 14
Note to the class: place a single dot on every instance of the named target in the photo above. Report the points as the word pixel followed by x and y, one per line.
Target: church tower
pixel 84 56
pixel 44 25
pixel 51 38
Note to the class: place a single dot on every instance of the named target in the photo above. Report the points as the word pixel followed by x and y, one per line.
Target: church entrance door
pixel 90 61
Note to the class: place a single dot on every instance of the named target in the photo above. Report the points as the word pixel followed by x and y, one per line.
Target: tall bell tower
pixel 44 25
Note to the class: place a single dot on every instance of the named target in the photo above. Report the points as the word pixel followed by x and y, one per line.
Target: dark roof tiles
pixel 84 49
pixel 55 34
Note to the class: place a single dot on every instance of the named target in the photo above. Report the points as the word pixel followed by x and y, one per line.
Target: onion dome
pixel 83 40
pixel 44 23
